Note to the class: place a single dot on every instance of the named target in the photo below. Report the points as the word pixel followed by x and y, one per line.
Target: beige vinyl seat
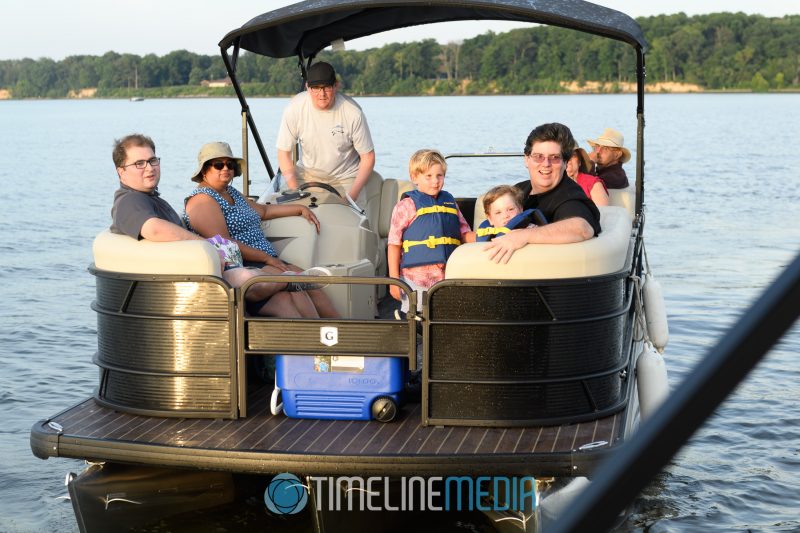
pixel 603 254
pixel 120 253
pixel 624 198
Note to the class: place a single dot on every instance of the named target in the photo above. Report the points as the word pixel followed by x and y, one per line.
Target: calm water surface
pixel 722 191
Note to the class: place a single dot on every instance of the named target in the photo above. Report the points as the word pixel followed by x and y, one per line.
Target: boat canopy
pixel 305 28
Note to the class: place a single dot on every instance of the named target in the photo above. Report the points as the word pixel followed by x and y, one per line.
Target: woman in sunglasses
pixel 216 208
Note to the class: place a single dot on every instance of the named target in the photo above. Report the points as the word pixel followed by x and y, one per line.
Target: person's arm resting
pixel 570 230
pixel 160 230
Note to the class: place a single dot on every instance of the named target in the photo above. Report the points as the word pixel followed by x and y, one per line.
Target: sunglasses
pixel 219 165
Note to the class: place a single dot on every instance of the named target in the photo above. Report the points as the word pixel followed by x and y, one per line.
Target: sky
pixel 60 28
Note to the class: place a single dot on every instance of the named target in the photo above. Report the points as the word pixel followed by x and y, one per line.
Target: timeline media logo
pixel 286 494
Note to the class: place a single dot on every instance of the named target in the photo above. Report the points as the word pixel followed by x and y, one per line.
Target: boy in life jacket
pixel 426 227
pixel 503 208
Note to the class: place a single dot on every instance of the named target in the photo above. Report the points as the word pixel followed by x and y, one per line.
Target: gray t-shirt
pixel 133 208
pixel 331 139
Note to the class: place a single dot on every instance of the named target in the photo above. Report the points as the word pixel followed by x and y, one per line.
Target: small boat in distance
pixel 137 98
pixel 531 372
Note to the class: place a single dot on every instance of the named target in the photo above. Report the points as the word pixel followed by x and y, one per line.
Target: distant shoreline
pixel 568 88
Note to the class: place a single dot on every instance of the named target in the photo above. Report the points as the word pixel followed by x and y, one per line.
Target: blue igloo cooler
pixel 340 387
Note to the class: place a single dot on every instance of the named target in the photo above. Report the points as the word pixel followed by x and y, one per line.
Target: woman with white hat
pixel 609 153
pixel 217 208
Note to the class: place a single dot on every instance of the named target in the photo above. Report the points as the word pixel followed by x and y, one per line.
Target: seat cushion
pixel 604 254
pixel 120 253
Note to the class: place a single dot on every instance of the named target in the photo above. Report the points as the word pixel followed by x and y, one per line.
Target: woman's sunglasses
pixel 219 165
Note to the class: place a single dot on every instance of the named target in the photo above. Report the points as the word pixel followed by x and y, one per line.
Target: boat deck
pixel 263 443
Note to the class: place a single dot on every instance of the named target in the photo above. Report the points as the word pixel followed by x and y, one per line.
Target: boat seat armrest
pixel 120 253
pixel 604 254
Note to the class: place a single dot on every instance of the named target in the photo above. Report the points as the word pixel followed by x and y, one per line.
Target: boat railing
pixel 363 337
pixel 165 344
pixel 529 352
pixel 177 345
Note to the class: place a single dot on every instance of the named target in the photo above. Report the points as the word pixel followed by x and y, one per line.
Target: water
pixel 722 188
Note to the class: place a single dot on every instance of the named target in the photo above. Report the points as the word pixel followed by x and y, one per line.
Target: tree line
pixel 721 51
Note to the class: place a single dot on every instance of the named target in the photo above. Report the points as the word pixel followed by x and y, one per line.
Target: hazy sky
pixel 59 28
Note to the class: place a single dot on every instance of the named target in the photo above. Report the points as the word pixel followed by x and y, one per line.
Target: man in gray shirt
pixel 138 210
pixel 141 213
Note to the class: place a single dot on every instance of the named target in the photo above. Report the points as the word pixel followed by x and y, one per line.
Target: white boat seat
pixel 392 191
pixel 624 198
pixel 479 215
pixel 604 254
pixel 120 253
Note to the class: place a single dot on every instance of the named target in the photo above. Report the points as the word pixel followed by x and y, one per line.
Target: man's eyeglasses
pixel 142 163
pixel 321 88
pixel 219 165
pixel 555 159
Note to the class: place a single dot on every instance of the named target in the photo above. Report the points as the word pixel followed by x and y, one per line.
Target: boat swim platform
pixel 263 443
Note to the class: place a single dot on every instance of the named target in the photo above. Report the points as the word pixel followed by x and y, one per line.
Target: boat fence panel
pixel 165 345
pixel 324 337
pixel 508 353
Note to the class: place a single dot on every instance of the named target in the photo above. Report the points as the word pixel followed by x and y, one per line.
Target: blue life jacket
pixel 434 234
pixel 487 232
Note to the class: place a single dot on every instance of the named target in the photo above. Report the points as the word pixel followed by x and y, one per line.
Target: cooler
pixel 340 387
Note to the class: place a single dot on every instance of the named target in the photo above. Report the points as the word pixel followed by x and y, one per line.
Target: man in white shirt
pixel 336 145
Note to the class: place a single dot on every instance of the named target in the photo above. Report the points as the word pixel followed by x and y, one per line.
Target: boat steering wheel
pixel 320 185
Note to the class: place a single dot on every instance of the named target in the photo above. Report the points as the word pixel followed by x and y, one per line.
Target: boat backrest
pixel 624 198
pixel 372 193
pixel 120 253
pixel 479 215
pixel 392 191
pixel 603 254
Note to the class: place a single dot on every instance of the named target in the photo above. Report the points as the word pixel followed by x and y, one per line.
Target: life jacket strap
pixel 491 230
pixel 431 242
pixel 436 209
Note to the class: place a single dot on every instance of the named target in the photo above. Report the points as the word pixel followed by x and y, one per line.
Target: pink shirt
pixel 403 214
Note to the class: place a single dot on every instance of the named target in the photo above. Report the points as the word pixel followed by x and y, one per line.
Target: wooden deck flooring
pixel 263 443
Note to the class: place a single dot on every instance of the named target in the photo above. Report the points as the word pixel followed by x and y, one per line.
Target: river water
pixel 722 190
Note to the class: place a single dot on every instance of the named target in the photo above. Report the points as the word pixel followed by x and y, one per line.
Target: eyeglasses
pixel 142 163
pixel 219 165
pixel 555 159
pixel 321 88
pixel 604 148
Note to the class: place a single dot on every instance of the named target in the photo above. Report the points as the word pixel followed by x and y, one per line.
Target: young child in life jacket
pixel 503 208
pixel 426 227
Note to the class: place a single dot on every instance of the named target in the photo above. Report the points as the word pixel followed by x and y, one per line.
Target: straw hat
pixel 215 150
pixel 614 139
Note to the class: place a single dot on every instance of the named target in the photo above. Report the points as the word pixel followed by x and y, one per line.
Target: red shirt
pixel 587 182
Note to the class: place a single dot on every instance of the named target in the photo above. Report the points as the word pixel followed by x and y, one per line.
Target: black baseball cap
pixel 321 73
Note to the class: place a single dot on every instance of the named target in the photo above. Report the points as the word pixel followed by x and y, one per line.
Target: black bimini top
pixel 307 27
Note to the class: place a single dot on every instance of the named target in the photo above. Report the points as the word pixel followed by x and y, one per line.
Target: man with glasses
pixel 138 210
pixel 336 145
pixel 571 215
pixel 609 153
